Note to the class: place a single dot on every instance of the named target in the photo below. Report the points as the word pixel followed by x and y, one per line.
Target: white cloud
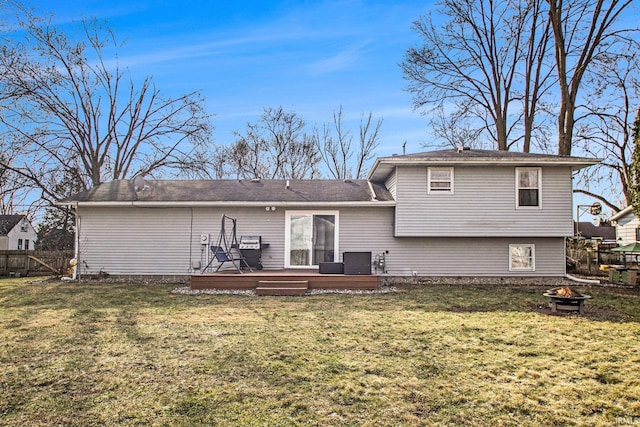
pixel 339 61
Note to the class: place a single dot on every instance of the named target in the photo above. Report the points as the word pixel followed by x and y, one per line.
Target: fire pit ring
pixel 566 299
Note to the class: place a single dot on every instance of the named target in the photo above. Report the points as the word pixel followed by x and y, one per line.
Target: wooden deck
pixel 262 279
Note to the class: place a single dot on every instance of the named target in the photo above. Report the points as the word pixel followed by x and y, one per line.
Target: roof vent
pixel 288 184
pixel 255 179
pixel 463 148
pixel 139 184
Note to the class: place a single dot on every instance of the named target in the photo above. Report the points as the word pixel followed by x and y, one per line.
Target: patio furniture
pixel 227 248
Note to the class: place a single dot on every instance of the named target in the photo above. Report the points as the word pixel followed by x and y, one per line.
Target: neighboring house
pixel 603 232
pixel 627 226
pixel 441 213
pixel 16 233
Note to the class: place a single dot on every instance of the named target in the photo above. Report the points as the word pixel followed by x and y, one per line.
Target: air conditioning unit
pixel 204 239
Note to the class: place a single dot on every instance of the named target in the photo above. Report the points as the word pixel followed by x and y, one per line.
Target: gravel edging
pixel 186 290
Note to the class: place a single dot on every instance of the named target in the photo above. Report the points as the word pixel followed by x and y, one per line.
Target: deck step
pixel 282 287
pixel 249 280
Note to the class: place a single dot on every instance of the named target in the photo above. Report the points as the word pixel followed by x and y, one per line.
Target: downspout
pixel 76 240
pixel 579 280
pixel 372 192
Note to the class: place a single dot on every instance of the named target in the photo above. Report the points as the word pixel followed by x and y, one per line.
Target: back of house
pixel 440 213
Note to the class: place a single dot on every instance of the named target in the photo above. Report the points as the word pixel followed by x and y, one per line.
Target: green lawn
pixel 448 355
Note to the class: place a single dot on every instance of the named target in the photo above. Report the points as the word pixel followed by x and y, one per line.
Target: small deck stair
pixel 282 287
pixel 231 280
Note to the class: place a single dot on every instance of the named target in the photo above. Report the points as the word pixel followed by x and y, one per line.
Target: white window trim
pixel 533 257
pixel 287 236
pixel 539 170
pixel 429 169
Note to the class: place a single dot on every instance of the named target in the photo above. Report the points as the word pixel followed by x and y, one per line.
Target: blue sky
pixel 308 57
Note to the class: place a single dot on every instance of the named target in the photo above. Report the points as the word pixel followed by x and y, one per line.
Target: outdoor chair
pixel 222 257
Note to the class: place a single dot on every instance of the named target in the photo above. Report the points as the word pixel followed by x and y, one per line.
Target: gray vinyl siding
pixel 391 183
pixel 473 256
pixel 483 204
pixel 371 229
pixel 156 241
pixel 626 229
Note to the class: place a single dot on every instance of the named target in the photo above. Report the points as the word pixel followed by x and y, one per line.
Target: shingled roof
pixel 383 166
pixel 589 230
pixel 7 222
pixel 239 191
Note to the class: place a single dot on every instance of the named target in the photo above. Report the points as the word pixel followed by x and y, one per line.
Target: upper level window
pixel 528 187
pixel 24 227
pixel 440 180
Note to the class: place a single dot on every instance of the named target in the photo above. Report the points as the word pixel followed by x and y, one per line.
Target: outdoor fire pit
pixel 566 299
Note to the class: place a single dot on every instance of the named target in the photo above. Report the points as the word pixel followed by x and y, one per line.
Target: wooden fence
pixel 34 263
pixel 586 256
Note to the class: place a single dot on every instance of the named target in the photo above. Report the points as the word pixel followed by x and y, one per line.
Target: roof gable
pixel 8 222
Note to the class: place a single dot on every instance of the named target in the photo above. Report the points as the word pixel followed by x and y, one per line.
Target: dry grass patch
pixel 140 355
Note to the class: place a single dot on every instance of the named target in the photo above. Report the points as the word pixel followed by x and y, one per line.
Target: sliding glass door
pixel 311 238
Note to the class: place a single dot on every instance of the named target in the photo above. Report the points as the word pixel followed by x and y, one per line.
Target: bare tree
pixel 336 148
pixel 536 72
pixel 486 57
pixel 15 190
pixel 453 130
pixel 635 167
pixel 12 192
pixel 369 133
pixel 605 129
pixel 275 147
pixel 583 30
pixel 79 116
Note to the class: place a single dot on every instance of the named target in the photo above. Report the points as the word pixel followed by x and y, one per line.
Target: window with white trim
pixel 19 244
pixel 522 257
pixel 440 180
pixel 528 187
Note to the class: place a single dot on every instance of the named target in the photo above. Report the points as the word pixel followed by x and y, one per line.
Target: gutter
pixel 582 162
pixel 620 214
pixel 190 204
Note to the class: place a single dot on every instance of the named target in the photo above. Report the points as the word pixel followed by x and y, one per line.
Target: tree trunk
pixel 565 130
pixel 501 133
